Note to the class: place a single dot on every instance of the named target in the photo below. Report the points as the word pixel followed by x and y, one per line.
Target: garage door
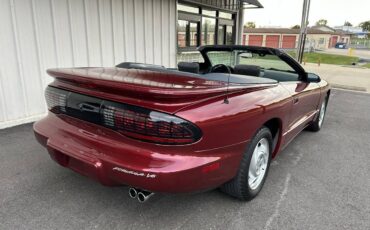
pixel 272 41
pixel 255 40
pixel 289 42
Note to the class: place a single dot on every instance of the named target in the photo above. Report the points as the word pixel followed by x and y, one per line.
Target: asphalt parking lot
pixel 320 181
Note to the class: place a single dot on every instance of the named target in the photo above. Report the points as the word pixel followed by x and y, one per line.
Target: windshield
pixel 236 57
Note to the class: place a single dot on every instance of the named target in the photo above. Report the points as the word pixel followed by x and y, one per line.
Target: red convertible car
pixel 215 123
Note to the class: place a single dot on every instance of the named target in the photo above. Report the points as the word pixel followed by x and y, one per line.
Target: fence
pixel 290 47
pixel 360 43
pixel 189 57
pixel 291 43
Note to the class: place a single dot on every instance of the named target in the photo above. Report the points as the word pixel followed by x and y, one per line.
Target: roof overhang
pixel 231 5
pixel 250 4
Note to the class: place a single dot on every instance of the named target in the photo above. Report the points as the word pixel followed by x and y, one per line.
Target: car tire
pixel 242 186
pixel 316 125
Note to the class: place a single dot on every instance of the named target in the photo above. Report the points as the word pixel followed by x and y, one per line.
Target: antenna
pixel 226 101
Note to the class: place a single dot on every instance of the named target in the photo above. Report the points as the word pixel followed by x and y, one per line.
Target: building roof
pixel 283 31
pixel 334 31
pixel 319 27
pixel 342 32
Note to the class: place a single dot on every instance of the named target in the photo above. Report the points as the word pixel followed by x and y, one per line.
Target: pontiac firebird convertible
pixel 217 123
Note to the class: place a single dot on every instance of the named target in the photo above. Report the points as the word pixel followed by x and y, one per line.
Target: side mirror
pixel 313 78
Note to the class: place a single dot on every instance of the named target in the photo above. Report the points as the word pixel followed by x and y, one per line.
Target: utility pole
pixel 303 32
pixel 240 31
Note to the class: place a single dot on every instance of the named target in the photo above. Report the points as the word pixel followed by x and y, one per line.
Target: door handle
pixel 295 100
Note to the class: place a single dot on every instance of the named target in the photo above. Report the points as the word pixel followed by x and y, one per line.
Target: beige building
pixel 337 35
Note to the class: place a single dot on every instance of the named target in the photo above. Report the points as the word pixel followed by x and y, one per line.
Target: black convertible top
pixel 255 49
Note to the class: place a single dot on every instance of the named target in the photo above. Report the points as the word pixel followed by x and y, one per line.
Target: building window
pixel 211 13
pixel 203 26
pixel 225 15
pixel 321 41
pixel 181 33
pixel 189 9
pixel 229 35
pixel 221 35
pixel 187 33
pixel 193 31
pixel 208 31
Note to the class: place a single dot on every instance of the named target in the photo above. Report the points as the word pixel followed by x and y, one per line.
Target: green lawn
pixel 328 58
pixel 367 65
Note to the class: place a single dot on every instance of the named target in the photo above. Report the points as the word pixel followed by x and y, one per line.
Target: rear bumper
pixel 113 159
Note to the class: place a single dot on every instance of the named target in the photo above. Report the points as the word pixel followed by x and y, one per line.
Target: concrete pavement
pixel 320 181
pixel 346 77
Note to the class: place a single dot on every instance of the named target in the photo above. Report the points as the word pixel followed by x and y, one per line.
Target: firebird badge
pixel 141 174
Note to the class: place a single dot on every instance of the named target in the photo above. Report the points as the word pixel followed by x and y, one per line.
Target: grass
pixel 328 58
pixel 367 65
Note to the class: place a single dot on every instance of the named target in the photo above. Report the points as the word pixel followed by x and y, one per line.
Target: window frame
pixel 188 35
pixel 198 18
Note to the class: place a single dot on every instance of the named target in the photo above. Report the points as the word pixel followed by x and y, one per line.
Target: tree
pixel 296 27
pixel 347 23
pixel 322 22
pixel 250 25
pixel 365 25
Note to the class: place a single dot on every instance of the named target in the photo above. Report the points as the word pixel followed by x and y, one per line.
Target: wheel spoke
pixel 258 163
pixel 322 113
pixel 252 179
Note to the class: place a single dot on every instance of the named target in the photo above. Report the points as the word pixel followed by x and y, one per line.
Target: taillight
pixel 56 99
pixel 132 121
pixel 150 126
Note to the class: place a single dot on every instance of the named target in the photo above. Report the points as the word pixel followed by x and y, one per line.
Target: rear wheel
pixel 253 167
pixel 317 123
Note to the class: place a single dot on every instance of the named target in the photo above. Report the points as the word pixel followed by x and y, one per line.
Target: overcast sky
pixel 287 13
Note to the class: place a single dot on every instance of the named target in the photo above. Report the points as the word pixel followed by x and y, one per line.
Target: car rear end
pixel 97 129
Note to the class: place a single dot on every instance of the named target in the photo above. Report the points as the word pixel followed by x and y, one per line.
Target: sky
pixel 287 13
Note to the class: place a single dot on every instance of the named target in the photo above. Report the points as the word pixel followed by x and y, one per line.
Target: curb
pixel 347 87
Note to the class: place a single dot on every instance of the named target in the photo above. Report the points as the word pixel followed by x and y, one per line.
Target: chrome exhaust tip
pixel 143 196
pixel 133 192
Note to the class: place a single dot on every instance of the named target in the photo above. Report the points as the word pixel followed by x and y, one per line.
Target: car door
pixel 305 97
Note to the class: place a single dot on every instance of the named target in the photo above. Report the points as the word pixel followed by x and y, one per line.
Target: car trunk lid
pixel 166 91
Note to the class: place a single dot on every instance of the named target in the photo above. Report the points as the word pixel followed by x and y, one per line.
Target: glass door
pixel 221 35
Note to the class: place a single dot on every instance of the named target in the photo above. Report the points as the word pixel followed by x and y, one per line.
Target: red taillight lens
pixel 56 99
pixel 132 121
pixel 150 126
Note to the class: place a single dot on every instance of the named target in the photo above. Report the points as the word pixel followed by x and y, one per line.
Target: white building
pixel 41 34
pixel 357 31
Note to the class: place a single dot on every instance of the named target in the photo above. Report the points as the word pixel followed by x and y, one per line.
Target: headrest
pixel 190 67
pixel 250 70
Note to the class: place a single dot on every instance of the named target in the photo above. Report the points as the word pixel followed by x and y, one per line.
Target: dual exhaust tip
pixel 141 195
